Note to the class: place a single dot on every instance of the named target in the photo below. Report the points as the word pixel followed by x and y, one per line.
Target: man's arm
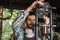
pixel 26 12
pixel 18 31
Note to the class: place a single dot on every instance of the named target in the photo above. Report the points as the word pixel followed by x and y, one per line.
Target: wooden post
pixel 1 16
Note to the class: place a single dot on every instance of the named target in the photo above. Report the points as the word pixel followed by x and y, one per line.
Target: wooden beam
pixel 1 16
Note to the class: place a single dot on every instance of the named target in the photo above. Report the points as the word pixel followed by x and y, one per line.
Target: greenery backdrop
pixel 7 24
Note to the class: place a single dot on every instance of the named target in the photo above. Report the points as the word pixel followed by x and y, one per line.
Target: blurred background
pixel 10 8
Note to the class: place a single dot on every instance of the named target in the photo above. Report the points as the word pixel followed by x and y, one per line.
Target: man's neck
pixel 29 28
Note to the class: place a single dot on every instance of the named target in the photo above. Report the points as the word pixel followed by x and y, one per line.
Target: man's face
pixel 30 21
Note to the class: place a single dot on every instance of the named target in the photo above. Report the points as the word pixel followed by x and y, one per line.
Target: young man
pixel 30 21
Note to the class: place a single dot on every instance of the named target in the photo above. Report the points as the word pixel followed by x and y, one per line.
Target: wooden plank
pixel 1 16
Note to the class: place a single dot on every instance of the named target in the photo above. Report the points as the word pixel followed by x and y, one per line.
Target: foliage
pixel 7 24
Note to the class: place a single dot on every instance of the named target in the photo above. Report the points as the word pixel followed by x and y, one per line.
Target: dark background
pixel 23 4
